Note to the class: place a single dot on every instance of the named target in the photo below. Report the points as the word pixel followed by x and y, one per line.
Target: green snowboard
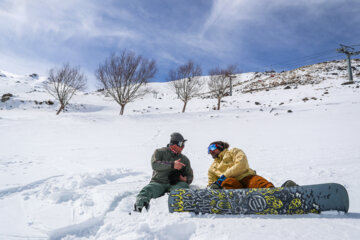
pixel 291 200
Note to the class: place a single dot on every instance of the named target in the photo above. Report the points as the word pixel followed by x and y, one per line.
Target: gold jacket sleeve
pixel 212 178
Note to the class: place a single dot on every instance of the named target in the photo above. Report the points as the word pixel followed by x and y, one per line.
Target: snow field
pixel 76 175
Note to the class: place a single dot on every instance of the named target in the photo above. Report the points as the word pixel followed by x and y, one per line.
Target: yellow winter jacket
pixel 231 163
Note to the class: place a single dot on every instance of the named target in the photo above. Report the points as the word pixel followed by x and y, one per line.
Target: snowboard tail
pixel 291 200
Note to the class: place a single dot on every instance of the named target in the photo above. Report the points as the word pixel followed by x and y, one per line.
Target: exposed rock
pixel 6 97
pixel 49 102
pixel 257 103
pixel 287 87
pixel 289 111
pixel 348 83
pixel 34 76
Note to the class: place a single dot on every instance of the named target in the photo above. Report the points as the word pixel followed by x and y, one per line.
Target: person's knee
pixel 231 183
pixel 152 190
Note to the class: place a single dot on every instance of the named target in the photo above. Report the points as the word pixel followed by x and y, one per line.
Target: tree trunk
pixel 183 110
pixel 122 109
pixel 219 101
pixel 60 109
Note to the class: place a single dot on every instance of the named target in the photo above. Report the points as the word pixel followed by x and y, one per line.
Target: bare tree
pixel 185 81
pixel 123 76
pixel 63 83
pixel 219 84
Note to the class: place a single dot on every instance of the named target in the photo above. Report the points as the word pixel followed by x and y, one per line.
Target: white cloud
pixel 83 31
pixel 231 14
pixel 35 34
pixel 231 24
pixel 63 19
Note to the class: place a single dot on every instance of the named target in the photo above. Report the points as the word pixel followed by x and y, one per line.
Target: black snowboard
pixel 291 200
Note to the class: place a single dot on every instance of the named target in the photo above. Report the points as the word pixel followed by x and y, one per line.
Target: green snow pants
pixel 155 190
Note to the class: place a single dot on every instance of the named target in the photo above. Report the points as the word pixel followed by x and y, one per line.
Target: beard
pixel 176 149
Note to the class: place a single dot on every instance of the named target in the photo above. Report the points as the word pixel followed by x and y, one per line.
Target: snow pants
pixel 155 190
pixel 254 181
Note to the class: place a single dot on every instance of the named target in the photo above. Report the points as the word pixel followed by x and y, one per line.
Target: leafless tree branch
pixel 124 76
pixel 63 83
pixel 185 81
pixel 219 83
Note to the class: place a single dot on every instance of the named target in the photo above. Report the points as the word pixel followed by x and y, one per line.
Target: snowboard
pixel 280 200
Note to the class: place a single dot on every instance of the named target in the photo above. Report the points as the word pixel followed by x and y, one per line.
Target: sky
pixel 256 35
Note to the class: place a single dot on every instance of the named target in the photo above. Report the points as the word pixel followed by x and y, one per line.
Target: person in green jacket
pixel 165 162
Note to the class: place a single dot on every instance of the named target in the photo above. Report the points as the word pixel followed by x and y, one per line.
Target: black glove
pixel 174 176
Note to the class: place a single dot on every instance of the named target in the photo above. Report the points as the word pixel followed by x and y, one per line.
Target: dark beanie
pixel 221 145
pixel 176 137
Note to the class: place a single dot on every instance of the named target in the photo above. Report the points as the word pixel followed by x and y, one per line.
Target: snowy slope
pixel 76 175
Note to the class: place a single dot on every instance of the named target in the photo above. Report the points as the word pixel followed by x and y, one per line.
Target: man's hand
pixel 178 165
pixel 182 178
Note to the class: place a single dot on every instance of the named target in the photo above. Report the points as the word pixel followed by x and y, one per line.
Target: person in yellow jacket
pixel 230 169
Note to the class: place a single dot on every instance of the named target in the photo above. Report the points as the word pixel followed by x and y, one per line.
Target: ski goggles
pixel 181 143
pixel 211 148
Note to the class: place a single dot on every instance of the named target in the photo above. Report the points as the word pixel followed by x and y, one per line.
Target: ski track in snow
pixel 9 191
pixel 90 226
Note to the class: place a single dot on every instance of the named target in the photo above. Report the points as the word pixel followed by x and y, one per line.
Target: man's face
pixel 215 153
pixel 177 148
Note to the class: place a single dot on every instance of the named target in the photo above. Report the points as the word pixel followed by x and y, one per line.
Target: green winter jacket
pixel 162 163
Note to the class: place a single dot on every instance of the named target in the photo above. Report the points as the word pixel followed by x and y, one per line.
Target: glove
pixel 220 180
pixel 174 177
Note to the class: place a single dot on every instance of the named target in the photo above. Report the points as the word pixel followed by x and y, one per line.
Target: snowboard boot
pixel 139 208
pixel 289 183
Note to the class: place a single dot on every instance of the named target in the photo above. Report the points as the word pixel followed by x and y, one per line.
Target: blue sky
pixel 256 35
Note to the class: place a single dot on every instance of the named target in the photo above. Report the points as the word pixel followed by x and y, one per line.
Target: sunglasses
pixel 211 148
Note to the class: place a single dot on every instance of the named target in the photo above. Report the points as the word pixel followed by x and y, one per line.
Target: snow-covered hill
pixel 76 175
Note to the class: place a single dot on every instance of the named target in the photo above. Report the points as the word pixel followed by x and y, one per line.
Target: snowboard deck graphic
pixel 290 200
